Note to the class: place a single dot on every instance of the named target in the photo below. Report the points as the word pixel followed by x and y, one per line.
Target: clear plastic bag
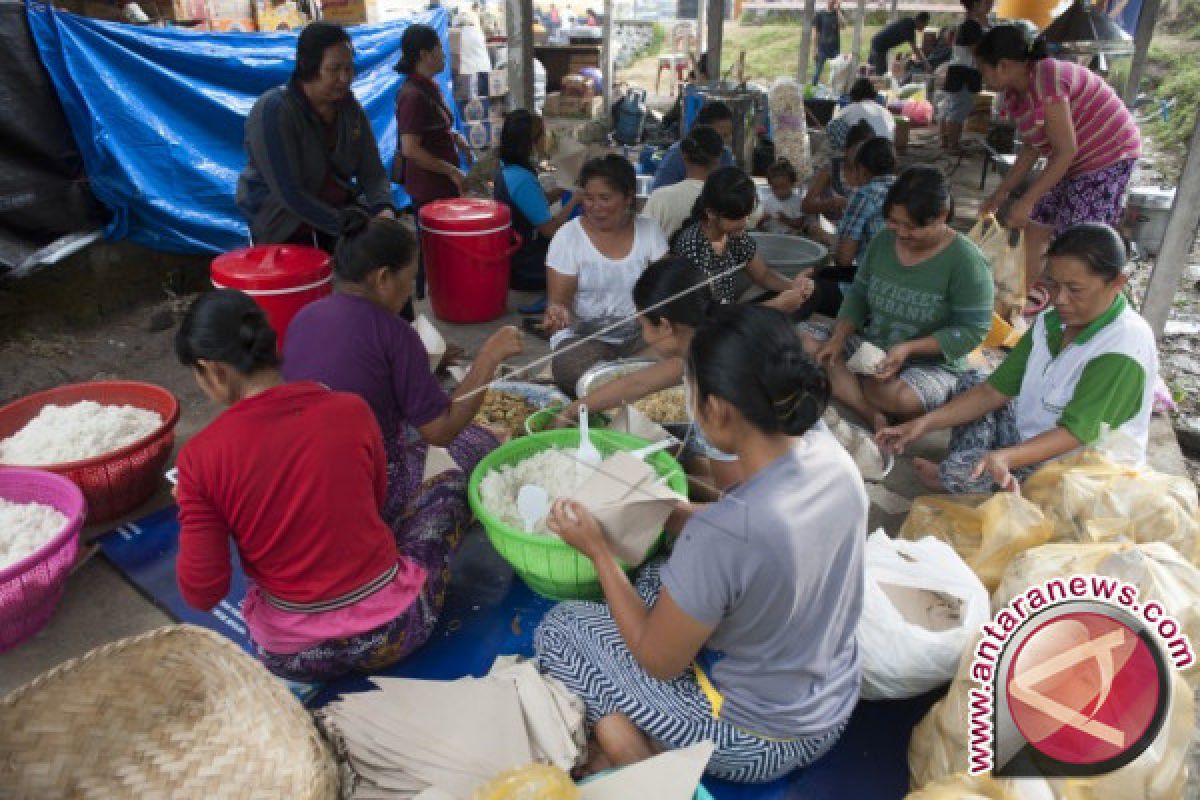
pixel 962 786
pixel 1093 496
pixel 789 126
pixel 1006 259
pixel 988 531
pixel 921 607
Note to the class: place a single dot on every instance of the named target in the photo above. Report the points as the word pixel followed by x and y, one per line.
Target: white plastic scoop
pixel 588 453
pixel 642 453
pixel 533 503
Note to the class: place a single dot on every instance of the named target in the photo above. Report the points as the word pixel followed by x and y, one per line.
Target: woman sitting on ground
pixel 670 309
pixel 827 191
pixel 310 151
pixel 522 142
pixel 354 341
pixel 671 205
pixel 923 294
pixel 593 262
pixel 1087 364
pixel 715 240
pixel 295 475
pixel 745 635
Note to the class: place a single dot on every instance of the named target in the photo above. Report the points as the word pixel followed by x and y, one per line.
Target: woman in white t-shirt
pixel 591 267
pixel 671 205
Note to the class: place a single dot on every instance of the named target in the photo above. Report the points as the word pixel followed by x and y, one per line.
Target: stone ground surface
pixel 66 335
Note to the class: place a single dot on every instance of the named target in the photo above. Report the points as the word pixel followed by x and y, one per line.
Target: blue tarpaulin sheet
pixel 158 115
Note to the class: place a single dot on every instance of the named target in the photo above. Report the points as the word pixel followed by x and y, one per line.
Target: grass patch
pixel 774 50
pixel 1179 79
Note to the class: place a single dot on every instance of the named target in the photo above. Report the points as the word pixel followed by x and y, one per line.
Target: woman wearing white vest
pixel 1087 363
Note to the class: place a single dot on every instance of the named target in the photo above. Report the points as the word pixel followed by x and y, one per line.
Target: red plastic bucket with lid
pixel 467 244
pixel 282 279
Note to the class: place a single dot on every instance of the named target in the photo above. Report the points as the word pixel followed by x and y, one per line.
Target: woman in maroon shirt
pixel 428 156
pixel 295 475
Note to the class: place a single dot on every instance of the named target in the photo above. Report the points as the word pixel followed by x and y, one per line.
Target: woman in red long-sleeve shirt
pixel 295 475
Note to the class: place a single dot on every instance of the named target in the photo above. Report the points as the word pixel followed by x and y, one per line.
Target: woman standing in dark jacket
pixel 310 149
pixel 427 157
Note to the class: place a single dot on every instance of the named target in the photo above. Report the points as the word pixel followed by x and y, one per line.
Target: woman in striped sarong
pixel 745 635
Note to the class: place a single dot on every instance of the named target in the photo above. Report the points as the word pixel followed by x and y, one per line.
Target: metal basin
pixel 789 254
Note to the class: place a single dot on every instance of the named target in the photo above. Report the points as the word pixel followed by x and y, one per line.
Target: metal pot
pixel 1146 215
pixel 789 254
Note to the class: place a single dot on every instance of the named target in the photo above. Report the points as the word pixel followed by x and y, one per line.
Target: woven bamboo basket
pixel 178 712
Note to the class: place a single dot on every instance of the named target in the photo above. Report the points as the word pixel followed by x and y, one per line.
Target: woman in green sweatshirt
pixel 923 294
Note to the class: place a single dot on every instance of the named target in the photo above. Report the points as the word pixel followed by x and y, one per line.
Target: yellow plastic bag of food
pixel 534 782
pixel 1089 497
pixel 1158 571
pixel 1005 252
pixel 939 748
pixel 986 530
pixel 939 744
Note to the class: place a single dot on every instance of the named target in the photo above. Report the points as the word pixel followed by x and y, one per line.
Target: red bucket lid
pixel 271 266
pixel 465 215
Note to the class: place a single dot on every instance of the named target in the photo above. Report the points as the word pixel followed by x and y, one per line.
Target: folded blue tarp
pixel 158 114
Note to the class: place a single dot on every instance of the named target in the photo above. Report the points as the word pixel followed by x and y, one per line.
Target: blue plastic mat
pixel 489 613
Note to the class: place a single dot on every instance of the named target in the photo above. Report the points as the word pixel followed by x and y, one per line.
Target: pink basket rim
pixel 167 426
pixel 75 513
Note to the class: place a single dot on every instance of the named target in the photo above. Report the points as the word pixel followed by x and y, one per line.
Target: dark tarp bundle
pixel 44 197
pixel 158 114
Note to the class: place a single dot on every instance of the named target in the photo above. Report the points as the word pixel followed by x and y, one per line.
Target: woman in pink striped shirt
pixel 1069 115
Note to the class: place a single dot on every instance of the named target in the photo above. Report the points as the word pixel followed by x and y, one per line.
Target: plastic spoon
pixel 588 453
pixel 642 453
pixel 533 503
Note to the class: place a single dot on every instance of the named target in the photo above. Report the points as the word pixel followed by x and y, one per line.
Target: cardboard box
pixel 233 25
pixel 557 105
pixel 498 82
pixel 232 15
pixel 273 16
pixel 350 12
pixel 482 135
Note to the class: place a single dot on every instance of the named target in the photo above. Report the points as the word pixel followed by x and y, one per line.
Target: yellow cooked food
pixel 505 410
pixel 665 406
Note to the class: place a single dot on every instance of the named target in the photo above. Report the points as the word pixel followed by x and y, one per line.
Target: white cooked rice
pixel 25 527
pixel 558 471
pixel 59 434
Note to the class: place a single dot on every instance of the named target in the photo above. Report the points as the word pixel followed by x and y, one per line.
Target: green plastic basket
pixel 549 566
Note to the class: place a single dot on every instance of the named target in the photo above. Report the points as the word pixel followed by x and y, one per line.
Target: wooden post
pixel 519 25
pixel 806 42
pixel 1141 49
pixel 606 58
pixel 892 11
pixel 716 33
pixel 1172 257
pixel 859 21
